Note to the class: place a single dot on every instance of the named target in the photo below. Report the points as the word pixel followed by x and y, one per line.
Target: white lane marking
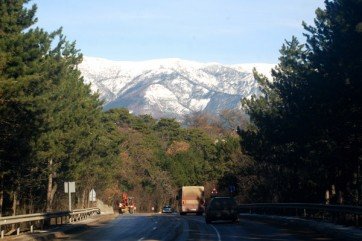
pixel 141 239
pixel 154 228
pixel 217 232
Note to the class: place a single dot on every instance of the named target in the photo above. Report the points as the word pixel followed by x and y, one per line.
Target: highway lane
pixel 134 227
pixel 169 227
pixel 246 231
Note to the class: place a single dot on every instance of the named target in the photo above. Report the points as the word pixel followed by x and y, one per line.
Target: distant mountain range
pixel 171 87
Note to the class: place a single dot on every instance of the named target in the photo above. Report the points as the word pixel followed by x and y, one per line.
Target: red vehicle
pixel 127 204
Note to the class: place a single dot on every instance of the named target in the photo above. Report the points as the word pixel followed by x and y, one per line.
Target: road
pixel 140 227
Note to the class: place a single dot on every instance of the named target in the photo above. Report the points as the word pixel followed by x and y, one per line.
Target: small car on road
pixel 167 209
pixel 221 209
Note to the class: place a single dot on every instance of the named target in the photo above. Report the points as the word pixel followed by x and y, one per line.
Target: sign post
pixel 69 187
pixel 92 196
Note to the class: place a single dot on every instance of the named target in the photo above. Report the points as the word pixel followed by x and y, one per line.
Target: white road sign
pixel 71 187
pixel 92 196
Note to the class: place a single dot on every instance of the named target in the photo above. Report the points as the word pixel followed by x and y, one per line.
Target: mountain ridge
pixel 171 87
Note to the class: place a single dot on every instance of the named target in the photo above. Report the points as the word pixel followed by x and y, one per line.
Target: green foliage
pixel 305 133
pixel 159 156
pixel 52 127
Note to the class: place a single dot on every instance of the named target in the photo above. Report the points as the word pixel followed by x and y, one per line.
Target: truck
pixel 191 199
pixel 126 205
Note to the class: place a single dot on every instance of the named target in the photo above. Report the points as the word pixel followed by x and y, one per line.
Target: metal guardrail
pixel 307 206
pixel 57 217
pixel 337 213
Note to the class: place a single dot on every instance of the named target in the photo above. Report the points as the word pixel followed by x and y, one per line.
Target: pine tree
pixel 306 134
pixel 21 82
pixel 52 127
pixel 335 51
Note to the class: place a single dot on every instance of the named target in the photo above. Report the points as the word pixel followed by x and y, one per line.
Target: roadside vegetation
pixel 53 130
pixel 302 142
pixel 305 134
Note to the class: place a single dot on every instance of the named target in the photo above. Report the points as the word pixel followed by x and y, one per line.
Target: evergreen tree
pixel 306 134
pixel 335 52
pixel 21 83
pixel 52 127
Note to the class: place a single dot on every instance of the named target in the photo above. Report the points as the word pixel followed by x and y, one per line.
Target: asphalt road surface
pixel 139 227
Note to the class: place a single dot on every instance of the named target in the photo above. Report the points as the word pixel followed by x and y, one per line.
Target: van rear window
pixel 221 203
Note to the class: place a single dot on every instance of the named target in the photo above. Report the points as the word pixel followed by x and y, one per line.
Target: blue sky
pixel 224 31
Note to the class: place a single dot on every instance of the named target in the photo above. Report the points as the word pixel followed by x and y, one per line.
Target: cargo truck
pixel 191 199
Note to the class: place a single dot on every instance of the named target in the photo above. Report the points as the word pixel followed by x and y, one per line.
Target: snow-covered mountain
pixel 170 87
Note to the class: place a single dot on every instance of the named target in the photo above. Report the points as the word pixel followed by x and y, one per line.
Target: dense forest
pixel 53 130
pixel 301 141
pixel 305 132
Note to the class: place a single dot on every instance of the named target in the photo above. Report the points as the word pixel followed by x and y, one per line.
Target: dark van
pixel 221 208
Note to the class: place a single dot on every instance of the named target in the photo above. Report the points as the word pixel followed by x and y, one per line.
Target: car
pixel 167 209
pixel 221 209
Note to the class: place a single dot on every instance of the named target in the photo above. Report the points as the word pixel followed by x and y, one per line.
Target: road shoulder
pixel 62 232
pixel 334 230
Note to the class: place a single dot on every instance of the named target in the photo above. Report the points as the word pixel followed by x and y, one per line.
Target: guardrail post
pixel 18 231
pixel 2 234
pixel 31 228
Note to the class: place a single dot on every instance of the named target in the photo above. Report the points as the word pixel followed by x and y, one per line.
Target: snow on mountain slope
pixel 170 87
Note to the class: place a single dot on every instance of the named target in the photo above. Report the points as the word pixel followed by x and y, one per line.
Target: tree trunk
pixel 15 200
pixel 1 194
pixel 340 198
pixel 31 203
pixel 359 186
pixel 52 187
pixel 327 197
pixel 84 198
